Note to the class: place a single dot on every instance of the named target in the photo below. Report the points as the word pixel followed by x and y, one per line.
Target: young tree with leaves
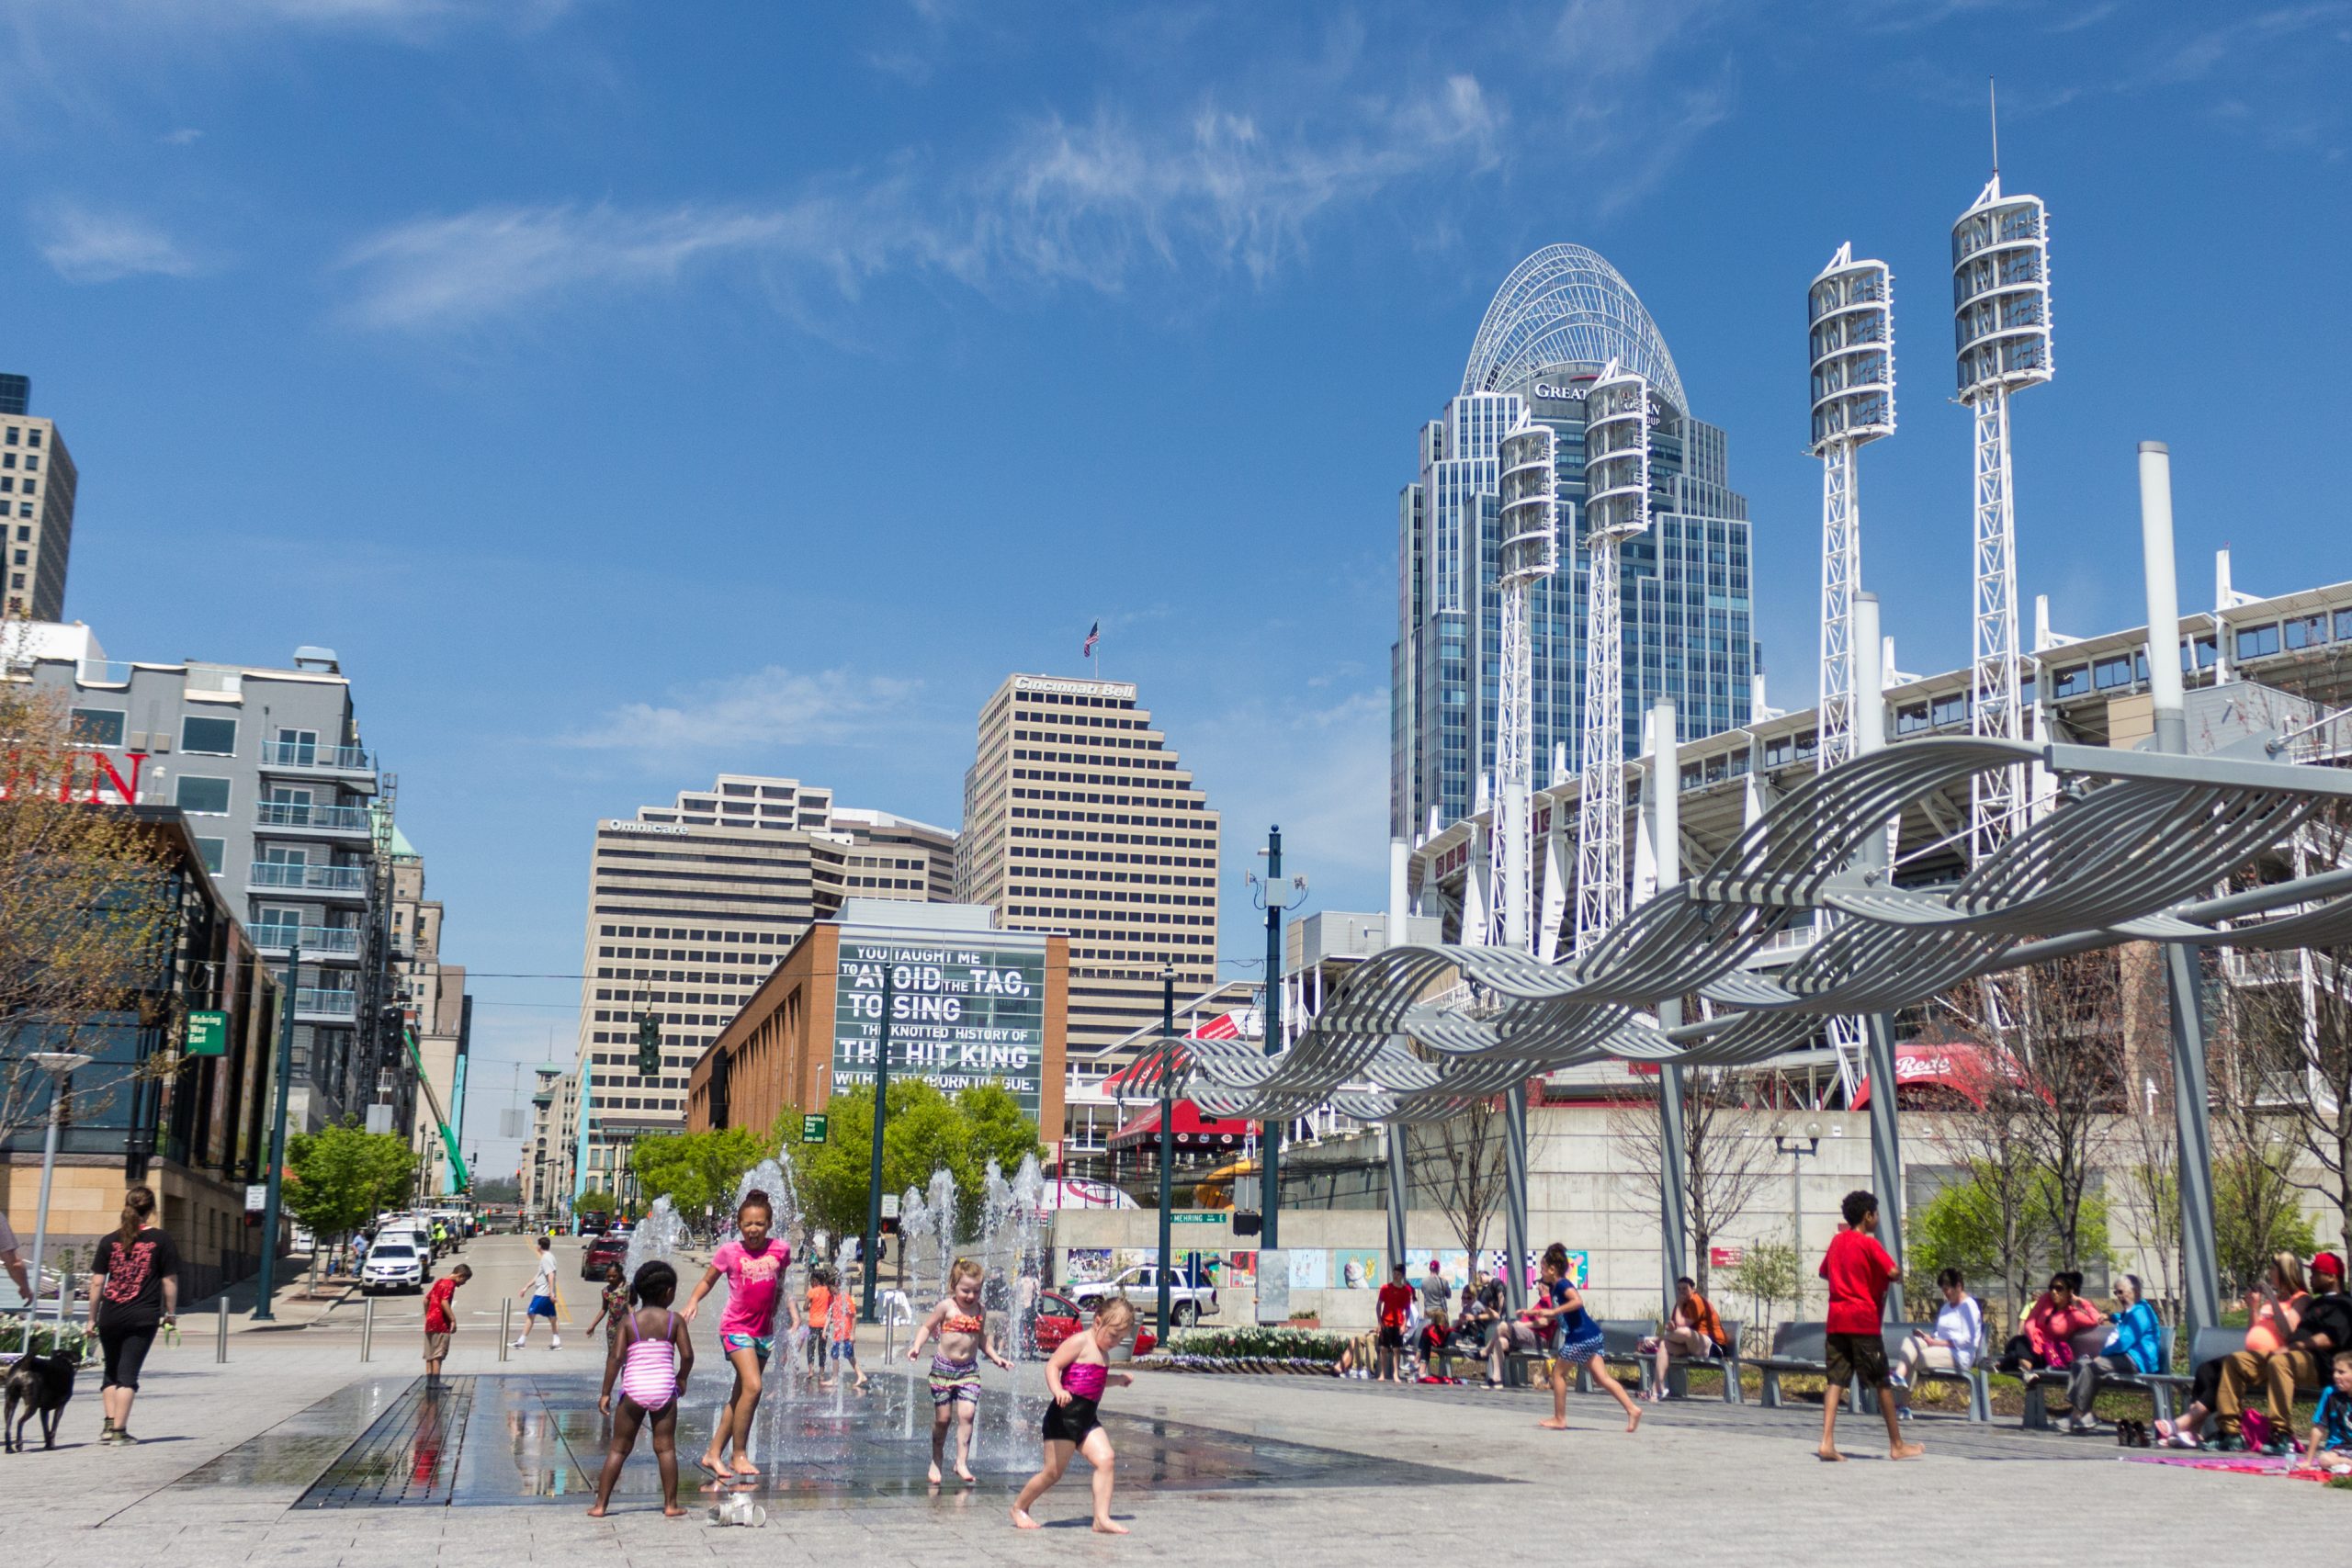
pixel 339 1178
pixel 1727 1156
pixel 86 912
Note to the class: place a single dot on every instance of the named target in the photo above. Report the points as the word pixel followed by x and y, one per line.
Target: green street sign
pixel 1207 1219
pixel 812 1129
pixel 208 1034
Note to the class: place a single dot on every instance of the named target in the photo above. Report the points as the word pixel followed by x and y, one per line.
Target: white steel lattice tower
pixel 1850 346
pixel 1617 507
pixel 1851 310
pixel 2000 290
pixel 1529 552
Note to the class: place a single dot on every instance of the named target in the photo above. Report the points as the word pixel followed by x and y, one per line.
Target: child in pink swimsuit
pixel 650 1359
pixel 1076 1377
pixel 752 1265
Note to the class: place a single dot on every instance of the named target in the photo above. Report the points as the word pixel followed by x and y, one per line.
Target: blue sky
pixel 634 392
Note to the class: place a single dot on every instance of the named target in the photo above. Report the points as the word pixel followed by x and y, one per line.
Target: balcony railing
pixel 102 672
pixel 326 941
pixel 311 1002
pixel 321 819
pixel 310 755
pixel 309 878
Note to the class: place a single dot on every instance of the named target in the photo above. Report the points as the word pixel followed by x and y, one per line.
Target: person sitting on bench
pixel 1954 1346
pixel 1693 1332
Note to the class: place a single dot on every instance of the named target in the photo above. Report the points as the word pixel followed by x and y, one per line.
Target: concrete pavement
pixel 232 1449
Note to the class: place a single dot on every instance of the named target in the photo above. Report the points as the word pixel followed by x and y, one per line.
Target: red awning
pixel 1140 1077
pixel 1194 1131
pixel 1958 1066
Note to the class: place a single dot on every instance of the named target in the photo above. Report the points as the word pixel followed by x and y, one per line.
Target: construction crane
pixel 433 1101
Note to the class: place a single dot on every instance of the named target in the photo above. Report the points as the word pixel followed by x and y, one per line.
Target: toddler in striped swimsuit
pixel 650 1359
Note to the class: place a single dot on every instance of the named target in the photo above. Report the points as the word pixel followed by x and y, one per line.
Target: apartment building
pixel 691 904
pixel 1078 816
pixel 36 484
pixel 432 997
pixel 292 820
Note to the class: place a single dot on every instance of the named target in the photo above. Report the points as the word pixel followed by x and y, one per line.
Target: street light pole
pixel 275 1174
pixel 1270 1167
pixel 873 1249
pixel 59 1065
pixel 1166 1138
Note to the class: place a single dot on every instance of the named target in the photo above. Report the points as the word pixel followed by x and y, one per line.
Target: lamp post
pixel 1166 1138
pixel 59 1065
pixel 873 1249
pixel 1796 1147
pixel 275 1175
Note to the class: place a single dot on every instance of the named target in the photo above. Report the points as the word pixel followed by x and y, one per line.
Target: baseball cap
pixel 2329 1264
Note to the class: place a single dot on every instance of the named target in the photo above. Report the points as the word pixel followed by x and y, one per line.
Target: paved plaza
pixel 296 1452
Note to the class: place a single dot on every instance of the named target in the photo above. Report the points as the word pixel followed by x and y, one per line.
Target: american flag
pixel 1093 633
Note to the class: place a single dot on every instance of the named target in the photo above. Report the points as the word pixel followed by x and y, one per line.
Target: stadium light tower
pixel 1529 552
pixel 1617 507
pixel 2000 292
pixel 1850 311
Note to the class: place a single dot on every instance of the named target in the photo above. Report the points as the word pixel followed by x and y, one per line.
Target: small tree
pixel 695 1170
pixel 1463 1162
pixel 87 914
pixel 925 1131
pixel 2061 1057
pixel 1767 1275
pixel 338 1179
pixel 1726 1158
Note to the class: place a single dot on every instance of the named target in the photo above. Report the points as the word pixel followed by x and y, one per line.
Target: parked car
pixel 393 1264
pixel 602 1253
pixel 1191 1298
pixel 1058 1318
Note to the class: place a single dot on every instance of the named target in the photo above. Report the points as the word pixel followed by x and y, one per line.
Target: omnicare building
pixel 1559 320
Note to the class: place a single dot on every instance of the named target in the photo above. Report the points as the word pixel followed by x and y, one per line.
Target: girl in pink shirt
pixel 754 1267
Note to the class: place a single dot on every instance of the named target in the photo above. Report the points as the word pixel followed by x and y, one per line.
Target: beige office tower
pixel 690 906
pixel 37 482
pixel 1079 818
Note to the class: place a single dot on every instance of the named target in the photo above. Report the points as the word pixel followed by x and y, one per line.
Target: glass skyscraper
pixel 1559 320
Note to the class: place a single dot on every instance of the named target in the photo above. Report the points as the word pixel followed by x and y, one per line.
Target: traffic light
pixel 648 1046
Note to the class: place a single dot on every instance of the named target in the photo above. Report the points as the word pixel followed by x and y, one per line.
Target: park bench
pixel 1803 1349
pixel 2157 1386
pixel 1621 1342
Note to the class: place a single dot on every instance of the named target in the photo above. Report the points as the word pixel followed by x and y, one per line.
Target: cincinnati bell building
pixel 1560 318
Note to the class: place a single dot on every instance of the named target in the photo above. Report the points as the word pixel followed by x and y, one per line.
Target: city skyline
pixel 547 415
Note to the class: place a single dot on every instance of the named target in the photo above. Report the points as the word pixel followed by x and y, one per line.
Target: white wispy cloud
pixel 183 136
pixel 1087 202
pixel 766 708
pixel 86 246
pixel 1320 771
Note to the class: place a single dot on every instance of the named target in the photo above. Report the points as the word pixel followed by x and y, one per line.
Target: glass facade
pixel 1686 587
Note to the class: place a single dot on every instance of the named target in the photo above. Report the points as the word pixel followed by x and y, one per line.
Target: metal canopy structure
pixel 1566 306
pixel 2130 853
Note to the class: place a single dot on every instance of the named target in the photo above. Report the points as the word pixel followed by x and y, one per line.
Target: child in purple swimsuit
pixel 650 1359
pixel 1076 1377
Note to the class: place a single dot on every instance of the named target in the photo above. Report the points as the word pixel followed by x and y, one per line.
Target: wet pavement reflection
pixel 471 1442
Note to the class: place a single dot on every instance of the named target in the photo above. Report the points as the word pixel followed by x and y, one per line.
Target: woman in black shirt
pixel 134 1289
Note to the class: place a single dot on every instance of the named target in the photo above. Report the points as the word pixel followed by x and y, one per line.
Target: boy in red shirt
pixel 439 1321
pixel 1858 1271
pixel 1396 1306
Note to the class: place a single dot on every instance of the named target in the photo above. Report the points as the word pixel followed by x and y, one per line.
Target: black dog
pixel 43 1384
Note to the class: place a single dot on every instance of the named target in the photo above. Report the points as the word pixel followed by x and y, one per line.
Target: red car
pixel 601 1252
pixel 1058 1318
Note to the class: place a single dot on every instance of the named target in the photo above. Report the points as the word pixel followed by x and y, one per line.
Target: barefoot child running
pixel 1075 1377
pixel 1560 1318
pixel 1858 1271
pixel 964 1338
pixel 650 1359
pixel 754 1267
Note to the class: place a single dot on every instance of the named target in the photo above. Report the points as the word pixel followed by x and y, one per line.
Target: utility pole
pixel 276 1174
pixel 1269 1168
pixel 873 1250
pixel 1167 1137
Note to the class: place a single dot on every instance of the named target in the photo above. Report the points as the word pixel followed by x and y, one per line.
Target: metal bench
pixel 2157 1386
pixel 1803 1349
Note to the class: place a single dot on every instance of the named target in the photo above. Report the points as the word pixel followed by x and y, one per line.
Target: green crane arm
pixel 448 1139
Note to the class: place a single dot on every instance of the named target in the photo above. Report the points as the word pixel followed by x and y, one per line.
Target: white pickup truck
pixel 1190 1298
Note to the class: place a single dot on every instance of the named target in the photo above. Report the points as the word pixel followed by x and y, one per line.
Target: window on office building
pixel 212 737
pixel 97 727
pixel 206 797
